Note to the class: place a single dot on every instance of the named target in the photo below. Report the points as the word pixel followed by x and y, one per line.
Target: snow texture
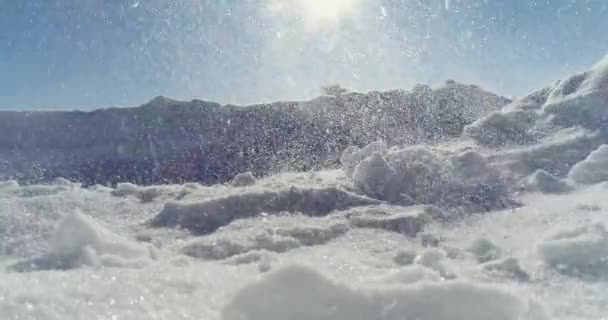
pixel 594 169
pixel 243 179
pixel 312 296
pixel 80 241
pixel 484 250
pixel 543 181
pixel 580 251
pixel 420 175
pixel 209 215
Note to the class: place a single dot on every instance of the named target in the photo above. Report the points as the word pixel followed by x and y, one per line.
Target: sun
pixel 326 10
pixel 315 13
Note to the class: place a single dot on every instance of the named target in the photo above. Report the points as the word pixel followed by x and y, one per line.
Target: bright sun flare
pixel 325 10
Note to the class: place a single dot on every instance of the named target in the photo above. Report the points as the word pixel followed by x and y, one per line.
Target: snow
pixel 581 99
pixel 580 251
pixel 374 255
pixel 243 179
pixel 593 169
pixel 374 177
pixel 543 181
pixel 209 215
pixel 80 241
pixel 484 250
pixel 313 296
pixel 352 155
pixel 439 229
pixel 422 175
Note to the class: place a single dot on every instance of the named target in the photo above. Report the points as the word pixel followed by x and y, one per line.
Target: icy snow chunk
pixel 209 215
pixel 469 164
pixel 594 169
pixel 484 250
pixel 420 173
pixel 352 155
pixel 405 257
pixel 580 252
pixel 243 179
pixel 313 296
pixel 543 181
pixel 508 267
pixel 81 241
pixel 376 178
pixel 434 258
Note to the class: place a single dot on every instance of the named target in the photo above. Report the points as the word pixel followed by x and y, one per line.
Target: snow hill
pixel 173 141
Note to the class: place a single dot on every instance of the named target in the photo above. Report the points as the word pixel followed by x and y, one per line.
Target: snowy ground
pixel 73 253
pixel 513 226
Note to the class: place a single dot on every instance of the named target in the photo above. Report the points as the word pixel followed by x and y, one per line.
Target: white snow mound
pixel 376 178
pixel 80 241
pixel 299 293
pixel 582 99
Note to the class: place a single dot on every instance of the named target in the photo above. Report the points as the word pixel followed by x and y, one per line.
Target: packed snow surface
pixel 503 218
pixel 71 253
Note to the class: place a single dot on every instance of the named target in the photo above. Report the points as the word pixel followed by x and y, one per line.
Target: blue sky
pixel 85 54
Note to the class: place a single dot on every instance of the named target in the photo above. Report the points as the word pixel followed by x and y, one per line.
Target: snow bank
pixel 209 215
pixel 578 101
pixel 543 181
pixel 594 169
pixel 555 153
pixel 81 241
pixel 581 251
pixel 299 293
pixel 581 99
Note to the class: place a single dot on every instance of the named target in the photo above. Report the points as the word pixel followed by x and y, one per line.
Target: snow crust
pixel 209 215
